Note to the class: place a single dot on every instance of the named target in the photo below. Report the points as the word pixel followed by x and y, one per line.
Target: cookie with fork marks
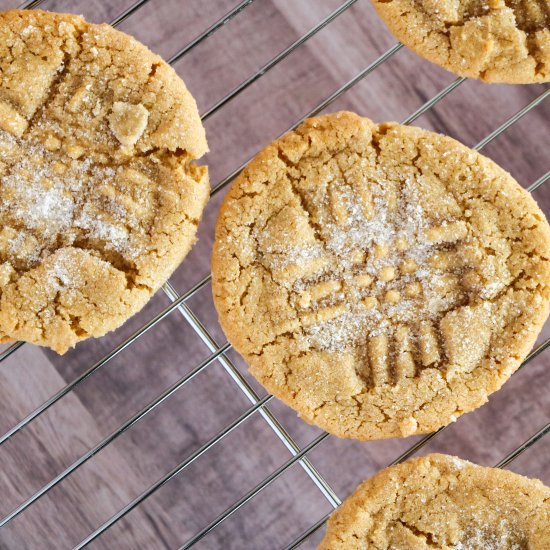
pixel 380 279
pixel 99 196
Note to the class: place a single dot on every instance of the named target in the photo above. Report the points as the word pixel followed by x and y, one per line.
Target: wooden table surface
pixel 170 350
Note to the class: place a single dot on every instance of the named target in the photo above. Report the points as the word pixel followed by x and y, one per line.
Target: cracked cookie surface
pixel 99 198
pixel 493 40
pixel 441 501
pixel 379 279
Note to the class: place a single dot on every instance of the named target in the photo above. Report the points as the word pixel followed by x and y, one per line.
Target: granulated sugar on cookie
pixel 380 279
pixel 493 40
pixel 99 199
pixel 439 501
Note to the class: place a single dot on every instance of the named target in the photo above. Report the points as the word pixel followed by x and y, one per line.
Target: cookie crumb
pixel 128 122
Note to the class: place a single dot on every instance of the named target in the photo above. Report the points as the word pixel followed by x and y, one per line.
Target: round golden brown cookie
pixel 440 501
pixel 493 40
pixel 99 199
pixel 380 279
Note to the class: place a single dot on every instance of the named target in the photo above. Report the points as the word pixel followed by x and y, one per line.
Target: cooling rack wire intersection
pixel 218 353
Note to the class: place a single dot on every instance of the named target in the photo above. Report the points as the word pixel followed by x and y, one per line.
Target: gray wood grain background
pixel 211 400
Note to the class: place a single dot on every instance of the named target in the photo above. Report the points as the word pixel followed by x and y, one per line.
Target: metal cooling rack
pixel 219 353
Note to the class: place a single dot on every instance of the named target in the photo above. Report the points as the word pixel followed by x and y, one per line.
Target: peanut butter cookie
pixel 380 279
pixel 440 501
pixel 99 200
pixel 493 40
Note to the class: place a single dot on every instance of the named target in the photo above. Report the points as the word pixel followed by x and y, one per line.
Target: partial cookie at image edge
pixel 445 502
pixel 496 43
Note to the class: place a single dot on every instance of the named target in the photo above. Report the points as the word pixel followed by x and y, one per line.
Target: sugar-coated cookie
pixel 99 199
pixel 380 279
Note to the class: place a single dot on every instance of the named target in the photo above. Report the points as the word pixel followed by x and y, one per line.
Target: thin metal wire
pixel 252 396
pixel 524 446
pixel 308 532
pixel 165 479
pixel 417 446
pixel 424 441
pixel 128 12
pixel 210 30
pixel 512 120
pixel 543 179
pixel 118 432
pixel 535 353
pixel 502 464
pixel 278 58
pixel 434 100
pixel 30 4
pixel 8 351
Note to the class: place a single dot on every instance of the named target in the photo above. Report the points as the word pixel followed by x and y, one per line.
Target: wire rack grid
pixel 219 353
